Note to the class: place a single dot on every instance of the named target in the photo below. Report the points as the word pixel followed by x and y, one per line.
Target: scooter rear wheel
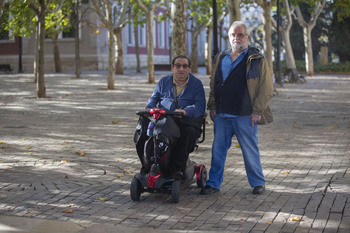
pixel 135 189
pixel 175 191
pixel 202 178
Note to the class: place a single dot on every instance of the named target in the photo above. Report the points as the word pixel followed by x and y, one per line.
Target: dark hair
pixel 181 56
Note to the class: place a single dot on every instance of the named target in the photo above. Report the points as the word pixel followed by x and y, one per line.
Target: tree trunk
pixel 268 36
pixel 150 45
pixel 111 59
pixel 234 10
pixel 288 48
pixel 309 60
pixel 136 34
pixel 178 28
pixel 208 58
pixel 41 90
pixel 194 52
pixel 119 43
pixel 286 37
pixel 36 55
pixel 56 54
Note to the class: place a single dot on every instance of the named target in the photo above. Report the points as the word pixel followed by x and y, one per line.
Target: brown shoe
pixel 209 190
pixel 259 189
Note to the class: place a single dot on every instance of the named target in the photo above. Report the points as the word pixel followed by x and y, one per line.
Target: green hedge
pixel 331 67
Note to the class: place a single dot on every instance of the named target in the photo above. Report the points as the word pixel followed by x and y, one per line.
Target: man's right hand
pixel 212 114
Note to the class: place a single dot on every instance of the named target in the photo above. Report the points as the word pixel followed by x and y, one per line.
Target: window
pixel 161 33
pixel 154 34
pixel 142 35
pixel 131 36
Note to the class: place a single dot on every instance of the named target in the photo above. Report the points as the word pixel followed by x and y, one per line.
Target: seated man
pixel 188 99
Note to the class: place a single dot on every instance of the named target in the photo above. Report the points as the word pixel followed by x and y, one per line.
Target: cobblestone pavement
pixel 70 158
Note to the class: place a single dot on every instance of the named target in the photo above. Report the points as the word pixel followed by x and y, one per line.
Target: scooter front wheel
pixel 202 179
pixel 175 191
pixel 135 189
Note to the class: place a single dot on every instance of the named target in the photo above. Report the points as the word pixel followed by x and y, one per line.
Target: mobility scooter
pixel 156 180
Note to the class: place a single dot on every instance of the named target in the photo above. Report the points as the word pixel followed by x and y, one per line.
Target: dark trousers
pixel 178 150
pixel 183 146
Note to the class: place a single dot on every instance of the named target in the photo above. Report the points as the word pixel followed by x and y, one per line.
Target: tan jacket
pixel 260 87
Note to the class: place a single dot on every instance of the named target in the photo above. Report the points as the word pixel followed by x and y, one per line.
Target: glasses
pixel 178 66
pixel 239 35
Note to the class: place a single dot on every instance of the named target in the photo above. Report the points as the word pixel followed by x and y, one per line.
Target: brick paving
pixel 71 158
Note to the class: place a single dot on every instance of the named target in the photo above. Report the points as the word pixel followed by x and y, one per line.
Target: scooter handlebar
pixel 152 111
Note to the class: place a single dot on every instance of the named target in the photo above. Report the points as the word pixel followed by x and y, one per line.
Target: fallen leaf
pixel 64 161
pixel 29 153
pixel 28 147
pixel 116 121
pixel 294 219
pixel 81 153
pixel 286 172
pixel 31 211
pixel 238 146
pixel 332 127
pixel 68 211
pixel 102 199
pixel 269 223
pixel 120 175
pixel 297 127
pixel 2 143
pixel 127 171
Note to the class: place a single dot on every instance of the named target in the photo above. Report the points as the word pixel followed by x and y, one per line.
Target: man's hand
pixel 180 110
pixel 212 114
pixel 255 119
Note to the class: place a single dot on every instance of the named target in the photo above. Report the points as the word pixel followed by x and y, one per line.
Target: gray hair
pixel 240 23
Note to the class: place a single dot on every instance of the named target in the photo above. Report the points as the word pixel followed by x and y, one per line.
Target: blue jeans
pixel 224 129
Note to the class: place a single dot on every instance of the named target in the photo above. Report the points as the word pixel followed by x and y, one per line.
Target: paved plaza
pixel 66 161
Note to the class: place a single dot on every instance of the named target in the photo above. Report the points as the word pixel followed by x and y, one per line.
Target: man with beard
pixel 241 86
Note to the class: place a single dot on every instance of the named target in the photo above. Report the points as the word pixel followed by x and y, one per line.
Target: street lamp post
pixel 215 31
pixel 20 69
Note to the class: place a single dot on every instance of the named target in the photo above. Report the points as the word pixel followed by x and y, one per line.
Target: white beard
pixel 237 48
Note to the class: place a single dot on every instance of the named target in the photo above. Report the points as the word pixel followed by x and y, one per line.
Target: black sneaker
pixel 209 190
pixel 259 189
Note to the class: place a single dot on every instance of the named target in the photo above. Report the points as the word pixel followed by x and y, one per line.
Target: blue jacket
pixel 192 99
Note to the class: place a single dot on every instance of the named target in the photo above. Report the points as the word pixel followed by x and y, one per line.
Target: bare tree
pixel 112 15
pixel 41 9
pixel 307 28
pixel 149 9
pixel 285 32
